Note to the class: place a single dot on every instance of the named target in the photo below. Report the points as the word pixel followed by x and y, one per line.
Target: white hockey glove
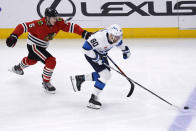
pixel 98 60
pixel 126 52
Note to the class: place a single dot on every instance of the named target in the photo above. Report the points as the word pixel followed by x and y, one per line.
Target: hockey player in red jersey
pixel 40 32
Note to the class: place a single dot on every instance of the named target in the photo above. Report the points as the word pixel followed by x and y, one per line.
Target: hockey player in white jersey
pixel 95 51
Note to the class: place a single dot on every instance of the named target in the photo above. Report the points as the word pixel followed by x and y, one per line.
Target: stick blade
pixel 131 90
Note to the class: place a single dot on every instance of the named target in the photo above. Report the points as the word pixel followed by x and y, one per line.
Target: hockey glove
pixel 86 34
pixel 126 52
pixel 99 60
pixel 11 40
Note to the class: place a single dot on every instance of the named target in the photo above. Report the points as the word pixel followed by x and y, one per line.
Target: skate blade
pixel 49 92
pixel 74 88
pixel 92 106
pixel 10 70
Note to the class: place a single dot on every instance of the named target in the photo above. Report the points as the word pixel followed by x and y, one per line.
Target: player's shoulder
pixel 60 21
pixel 100 33
pixel 99 36
pixel 38 22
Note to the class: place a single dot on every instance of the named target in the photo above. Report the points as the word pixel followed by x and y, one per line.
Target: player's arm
pixel 89 51
pixel 18 31
pixel 74 28
pixel 125 49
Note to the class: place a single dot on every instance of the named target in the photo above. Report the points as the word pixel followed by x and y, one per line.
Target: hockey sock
pixel 96 91
pixel 50 64
pixel 26 62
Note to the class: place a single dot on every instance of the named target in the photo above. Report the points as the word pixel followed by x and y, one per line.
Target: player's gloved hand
pixel 99 60
pixel 86 34
pixel 126 52
pixel 11 40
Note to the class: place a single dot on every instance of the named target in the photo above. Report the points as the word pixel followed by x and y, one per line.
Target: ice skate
pixel 49 88
pixel 77 82
pixel 94 103
pixel 16 69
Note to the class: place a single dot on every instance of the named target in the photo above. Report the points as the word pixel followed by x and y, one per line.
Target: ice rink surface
pixel 165 66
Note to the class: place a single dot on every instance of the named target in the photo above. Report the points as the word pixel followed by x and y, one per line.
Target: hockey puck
pixel 186 107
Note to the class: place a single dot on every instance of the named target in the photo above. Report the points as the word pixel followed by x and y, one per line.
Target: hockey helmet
pixel 51 12
pixel 115 32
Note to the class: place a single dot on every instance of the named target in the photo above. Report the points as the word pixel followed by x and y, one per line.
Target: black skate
pixel 49 88
pixel 16 69
pixel 77 82
pixel 94 103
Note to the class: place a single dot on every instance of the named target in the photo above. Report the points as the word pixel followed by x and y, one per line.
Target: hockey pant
pixel 102 73
pixel 37 53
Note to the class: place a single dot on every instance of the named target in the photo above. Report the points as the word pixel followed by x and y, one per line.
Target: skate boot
pixel 49 88
pixel 77 82
pixel 16 69
pixel 94 103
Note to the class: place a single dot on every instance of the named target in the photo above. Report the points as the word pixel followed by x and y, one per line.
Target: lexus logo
pixel 172 8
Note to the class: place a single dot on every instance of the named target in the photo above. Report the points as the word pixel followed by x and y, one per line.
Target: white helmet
pixel 115 32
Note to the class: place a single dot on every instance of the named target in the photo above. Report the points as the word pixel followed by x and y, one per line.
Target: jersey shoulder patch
pixel 40 22
pixel 59 19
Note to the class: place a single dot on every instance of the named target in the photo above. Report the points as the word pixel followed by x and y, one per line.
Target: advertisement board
pixel 102 13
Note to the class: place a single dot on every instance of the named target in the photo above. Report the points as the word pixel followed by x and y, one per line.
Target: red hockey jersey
pixel 40 33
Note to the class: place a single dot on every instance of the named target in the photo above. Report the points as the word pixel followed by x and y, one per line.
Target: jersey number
pixel 31 25
pixel 94 42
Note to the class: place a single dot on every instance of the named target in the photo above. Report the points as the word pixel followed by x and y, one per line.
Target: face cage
pixel 48 20
pixel 115 38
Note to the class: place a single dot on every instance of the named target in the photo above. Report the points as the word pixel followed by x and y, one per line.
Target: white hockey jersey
pixel 99 43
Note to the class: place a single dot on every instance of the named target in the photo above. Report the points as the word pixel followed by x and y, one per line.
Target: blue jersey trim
pixel 87 46
pixel 120 43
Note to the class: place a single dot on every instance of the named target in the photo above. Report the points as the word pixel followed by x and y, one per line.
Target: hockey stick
pixel 123 74
pixel 132 81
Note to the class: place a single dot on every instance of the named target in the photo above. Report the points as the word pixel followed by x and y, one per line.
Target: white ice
pixel 165 66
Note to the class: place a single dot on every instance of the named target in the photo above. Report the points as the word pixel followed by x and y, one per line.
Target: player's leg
pixel 100 76
pixel 77 80
pixel 98 88
pixel 46 58
pixel 25 62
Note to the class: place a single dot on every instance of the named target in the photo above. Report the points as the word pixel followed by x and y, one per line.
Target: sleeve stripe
pixel 71 28
pixel 14 36
pixel 85 34
pixel 25 27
